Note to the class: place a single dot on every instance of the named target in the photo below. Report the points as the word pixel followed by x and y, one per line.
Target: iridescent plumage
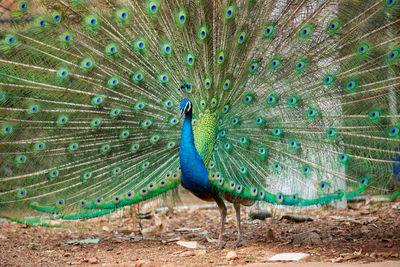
pixel 292 103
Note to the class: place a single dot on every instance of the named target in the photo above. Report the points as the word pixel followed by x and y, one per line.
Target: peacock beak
pixel 181 114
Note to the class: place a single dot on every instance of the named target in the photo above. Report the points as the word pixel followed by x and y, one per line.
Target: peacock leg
pixel 239 229
pixel 222 209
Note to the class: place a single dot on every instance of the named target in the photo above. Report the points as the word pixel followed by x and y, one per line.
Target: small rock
pixel 289 257
pixel 74 262
pixel 185 229
pixel 34 246
pixel 188 253
pixel 93 261
pixel 231 255
pixel 308 238
pixel 259 214
pixel 201 252
pixel 140 263
pixel 296 218
pixel 270 235
pixel 364 229
pixel 189 244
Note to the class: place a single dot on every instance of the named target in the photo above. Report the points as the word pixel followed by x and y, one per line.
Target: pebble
pixel 231 255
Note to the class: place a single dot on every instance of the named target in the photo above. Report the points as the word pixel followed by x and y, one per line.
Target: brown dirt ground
pixel 363 233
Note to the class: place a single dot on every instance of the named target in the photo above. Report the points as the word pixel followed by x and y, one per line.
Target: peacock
pixel 108 103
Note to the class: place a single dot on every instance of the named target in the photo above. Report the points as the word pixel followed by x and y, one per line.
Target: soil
pixel 365 232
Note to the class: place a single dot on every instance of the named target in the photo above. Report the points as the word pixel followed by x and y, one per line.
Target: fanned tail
pixel 305 96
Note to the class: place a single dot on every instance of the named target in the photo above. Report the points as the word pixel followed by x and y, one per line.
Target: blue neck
pixel 194 173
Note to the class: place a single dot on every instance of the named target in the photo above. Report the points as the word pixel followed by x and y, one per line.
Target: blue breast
pixel 194 173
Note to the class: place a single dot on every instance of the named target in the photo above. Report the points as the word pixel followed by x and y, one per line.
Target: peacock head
pixel 185 107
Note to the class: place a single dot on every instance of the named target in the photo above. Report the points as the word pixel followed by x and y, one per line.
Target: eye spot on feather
pixel 211 165
pixel 248 99
pixel 279 198
pixel 393 56
pixel 124 134
pixel 230 11
pixel 96 122
pixel 305 31
pixel 73 147
pixel 272 100
pixel 207 83
pixel 53 174
pixel 153 7
pixel 220 57
pixel 364 181
pixel 333 26
pixel 129 195
pixel 62 120
pixel 23 6
pixel 163 78
pixel 39 146
pixel 60 203
pixel 190 59
pixel 122 15
pixel 254 192
pixel 269 29
pixel 99 201
pixel 140 106
pixel 181 17
pixel 20 159
pixel 41 22
pixel 253 67
pixel 135 148
pixel 202 32
pixel 115 112
pixel 363 49
pixel 375 115
pixel 57 17
pixel 323 185
pixel 62 73
pixel 277 132
pixel 171 145
pixel 140 45
pixel 86 176
pixel 162 183
pixel 277 167
pixel 91 21
pixel 176 176
pixel 33 109
pixel 214 102
pixel 394 132
pixel 239 189
pixel 144 192
pixel 105 149
pixel 6 130
pixel 9 40
pixel 154 139
pixel 242 37
pixel 344 159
